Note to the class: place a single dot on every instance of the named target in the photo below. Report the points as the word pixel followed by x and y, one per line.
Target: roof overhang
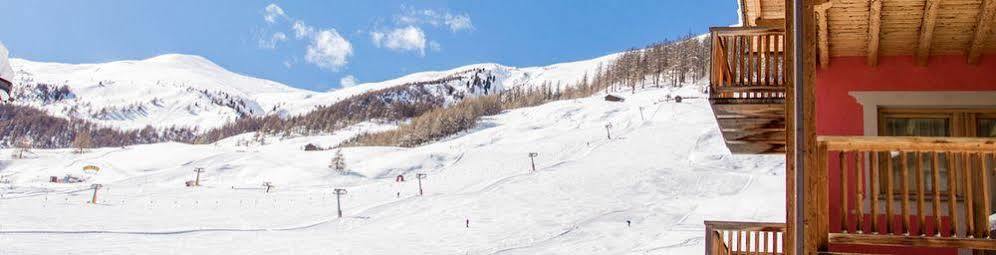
pixel 874 28
pixel 770 13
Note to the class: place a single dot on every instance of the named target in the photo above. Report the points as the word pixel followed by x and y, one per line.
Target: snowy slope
pixel 6 72
pixel 191 91
pixel 666 169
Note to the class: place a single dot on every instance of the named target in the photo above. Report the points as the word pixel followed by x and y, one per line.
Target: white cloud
pixel 410 38
pixel 377 38
pixel 348 81
pixel 272 42
pixel 301 30
pixel 459 22
pixel 455 22
pixel 272 12
pixel 328 50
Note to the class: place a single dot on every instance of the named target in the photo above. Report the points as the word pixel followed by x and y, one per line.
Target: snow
pixel 666 174
pixel 191 91
pixel 6 72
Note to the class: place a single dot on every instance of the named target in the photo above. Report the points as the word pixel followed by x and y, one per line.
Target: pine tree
pixel 339 163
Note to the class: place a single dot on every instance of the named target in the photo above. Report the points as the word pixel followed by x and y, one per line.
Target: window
pixel 930 122
pixel 986 127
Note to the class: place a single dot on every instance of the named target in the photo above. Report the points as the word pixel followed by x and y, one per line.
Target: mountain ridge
pixel 192 91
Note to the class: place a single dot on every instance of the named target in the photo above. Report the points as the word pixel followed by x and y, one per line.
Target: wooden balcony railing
pixel 734 238
pixel 909 191
pixel 748 65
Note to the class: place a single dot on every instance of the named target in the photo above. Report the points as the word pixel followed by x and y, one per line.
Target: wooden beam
pixel 756 11
pixel 908 143
pixel 824 33
pixel 930 9
pixel 982 30
pixel 743 14
pixel 874 30
pixel 915 241
pixel 814 188
pixel 790 135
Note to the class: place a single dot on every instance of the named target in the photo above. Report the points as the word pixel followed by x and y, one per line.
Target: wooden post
pixel 808 226
pixel 792 231
pixel 709 245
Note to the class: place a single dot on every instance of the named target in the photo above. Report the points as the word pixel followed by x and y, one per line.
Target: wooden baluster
pixel 731 53
pixel 952 189
pixel 969 198
pixel 740 60
pixel 717 77
pixel 729 242
pixel 757 242
pixel 781 59
pixel 750 60
pixel 986 199
pixel 770 60
pixel 889 190
pixel 740 241
pixel 905 186
pixel 875 190
pixel 936 175
pixel 758 62
pixel 774 60
pixel 725 48
pixel 842 168
pixel 766 58
pixel 922 222
pixel 860 156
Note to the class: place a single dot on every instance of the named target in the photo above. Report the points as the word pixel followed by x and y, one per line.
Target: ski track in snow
pixel 469 176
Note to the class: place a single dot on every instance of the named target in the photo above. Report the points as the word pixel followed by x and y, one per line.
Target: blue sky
pixel 316 44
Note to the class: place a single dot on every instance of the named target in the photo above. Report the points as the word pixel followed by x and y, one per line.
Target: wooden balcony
pixel 747 88
pixel 913 192
pixel 729 238
pixel 908 191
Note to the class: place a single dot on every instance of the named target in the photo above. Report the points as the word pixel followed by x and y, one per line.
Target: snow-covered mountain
pixel 191 91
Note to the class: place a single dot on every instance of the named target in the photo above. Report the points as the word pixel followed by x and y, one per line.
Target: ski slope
pixel 665 169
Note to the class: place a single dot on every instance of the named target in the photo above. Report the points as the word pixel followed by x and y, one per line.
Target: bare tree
pixel 23 145
pixel 82 141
